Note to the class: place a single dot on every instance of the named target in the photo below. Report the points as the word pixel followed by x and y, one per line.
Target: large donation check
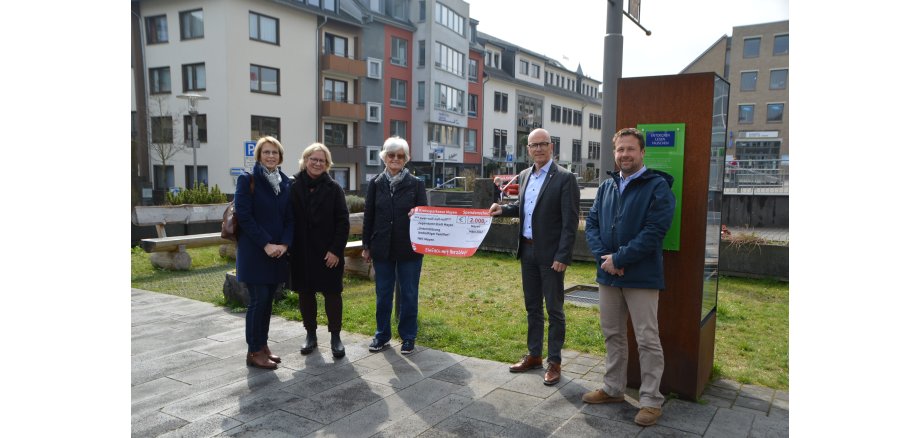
pixel 445 231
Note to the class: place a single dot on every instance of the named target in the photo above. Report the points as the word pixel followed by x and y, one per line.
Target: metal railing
pixel 770 176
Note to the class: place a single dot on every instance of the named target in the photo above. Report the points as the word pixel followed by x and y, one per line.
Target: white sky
pixel 681 30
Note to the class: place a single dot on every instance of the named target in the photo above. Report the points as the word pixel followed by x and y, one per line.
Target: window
pixel 335 90
pixel 163 177
pixel 193 77
pixel 499 140
pixel 594 150
pixel 374 68
pixel 161 129
pixel 594 121
pixel 567 116
pixel 421 53
pixel 524 67
pixel 157 31
pixel 745 114
pixel 336 45
pixel 555 141
pixel 335 134
pixel 576 151
pixel 421 94
pixel 470 145
pixel 422 10
pixel 264 79
pixel 262 126
pixel 473 105
pixel 342 176
pixel 399 54
pixel 778 79
pixel 373 112
pixel 448 98
pixel 775 112
pixel 190 176
pixel 397 92
pixel 444 134
pixel 398 127
pixel 501 102
pixel 263 28
pixel 328 5
pixel 555 113
pixel 449 60
pixel 535 71
pixel 201 122
pixel 576 118
pixel 752 47
pixel 448 18
pixel 748 80
pixel 473 71
pixel 191 24
pixel 159 81
pixel 781 45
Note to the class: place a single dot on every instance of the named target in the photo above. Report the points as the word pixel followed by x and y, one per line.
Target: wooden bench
pixel 168 252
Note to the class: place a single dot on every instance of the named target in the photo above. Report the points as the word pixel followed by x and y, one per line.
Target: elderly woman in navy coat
pixel 320 234
pixel 266 231
pixel 391 199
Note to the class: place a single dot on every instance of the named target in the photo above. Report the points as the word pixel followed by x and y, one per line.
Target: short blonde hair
pixel 271 140
pixel 395 144
pixel 310 150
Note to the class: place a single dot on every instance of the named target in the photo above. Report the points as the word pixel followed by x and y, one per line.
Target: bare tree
pixel 164 125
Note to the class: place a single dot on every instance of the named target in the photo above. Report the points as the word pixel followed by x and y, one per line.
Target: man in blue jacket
pixel 625 229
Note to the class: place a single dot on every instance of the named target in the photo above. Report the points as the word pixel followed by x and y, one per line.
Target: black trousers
pixel 541 283
pixel 307 302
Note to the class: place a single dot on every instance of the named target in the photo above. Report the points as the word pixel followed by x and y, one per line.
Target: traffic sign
pixel 509 158
pixel 249 148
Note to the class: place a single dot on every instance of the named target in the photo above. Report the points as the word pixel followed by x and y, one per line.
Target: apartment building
pixel 755 61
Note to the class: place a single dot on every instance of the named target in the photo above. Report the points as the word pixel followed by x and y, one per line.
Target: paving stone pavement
pixel 189 379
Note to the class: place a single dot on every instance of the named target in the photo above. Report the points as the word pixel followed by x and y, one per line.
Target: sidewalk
pixel 188 378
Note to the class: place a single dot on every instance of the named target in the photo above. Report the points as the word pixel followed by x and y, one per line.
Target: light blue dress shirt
pixel 530 197
pixel 626 180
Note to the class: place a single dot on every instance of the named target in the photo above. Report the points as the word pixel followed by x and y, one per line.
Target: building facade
pixel 755 61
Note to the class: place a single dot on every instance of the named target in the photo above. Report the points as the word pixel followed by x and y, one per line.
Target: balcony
pixel 342 65
pixel 343 110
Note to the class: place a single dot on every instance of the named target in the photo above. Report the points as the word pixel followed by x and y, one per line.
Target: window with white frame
pixel 264 79
pixel 374 68
pixel 193 77
pixel 524 67
pixel 535 71
pixel 191 24
pixel 449 98
pixel 159 81
pixel 449 59
pixel 399 51
pixel 448 18
pixel 397 92
pixel 263 28
pixel 373 112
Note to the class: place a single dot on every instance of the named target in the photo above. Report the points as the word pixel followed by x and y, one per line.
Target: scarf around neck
pixel 274 178
pixel 396 179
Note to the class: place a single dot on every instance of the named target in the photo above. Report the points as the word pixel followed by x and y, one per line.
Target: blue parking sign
pixel 249 148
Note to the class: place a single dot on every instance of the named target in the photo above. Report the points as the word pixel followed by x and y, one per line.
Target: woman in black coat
pixel 320 233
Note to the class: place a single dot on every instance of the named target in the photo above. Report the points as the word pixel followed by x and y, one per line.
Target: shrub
pixel 199 195
pixel 355 203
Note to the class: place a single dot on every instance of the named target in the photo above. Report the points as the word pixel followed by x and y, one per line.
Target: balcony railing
pixel 343 110
pixel 342 65
pixel 757 176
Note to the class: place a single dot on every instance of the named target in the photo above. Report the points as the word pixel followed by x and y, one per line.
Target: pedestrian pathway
pixel 189 379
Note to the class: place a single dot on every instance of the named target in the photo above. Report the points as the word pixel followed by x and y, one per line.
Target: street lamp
pixel 193 113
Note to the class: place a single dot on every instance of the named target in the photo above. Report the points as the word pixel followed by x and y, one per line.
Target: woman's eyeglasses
pixel 393 155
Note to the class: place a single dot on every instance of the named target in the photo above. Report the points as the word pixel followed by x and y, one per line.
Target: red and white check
pixel 446 231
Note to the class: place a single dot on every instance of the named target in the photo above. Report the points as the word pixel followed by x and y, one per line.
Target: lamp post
pixel 193 113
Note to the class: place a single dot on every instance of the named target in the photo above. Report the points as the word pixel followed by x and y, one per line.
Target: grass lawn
pixel 474 307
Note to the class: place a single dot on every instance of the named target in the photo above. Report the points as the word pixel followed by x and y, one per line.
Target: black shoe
pixel 408 346
pixel 377 345
pixel 338 348
pixel 310 344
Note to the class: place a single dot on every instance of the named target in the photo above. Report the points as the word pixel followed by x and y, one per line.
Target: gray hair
pixel 395 144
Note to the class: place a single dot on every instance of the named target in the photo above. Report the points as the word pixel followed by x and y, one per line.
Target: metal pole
pixel 194 115
pixel 613 71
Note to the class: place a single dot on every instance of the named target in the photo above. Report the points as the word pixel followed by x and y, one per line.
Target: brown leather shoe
pixel 527 362
pixel 553 373
pixel 260 360
pixel 599 396
pixel 271 357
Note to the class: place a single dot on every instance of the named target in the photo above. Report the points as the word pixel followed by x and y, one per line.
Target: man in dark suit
pixel 547 207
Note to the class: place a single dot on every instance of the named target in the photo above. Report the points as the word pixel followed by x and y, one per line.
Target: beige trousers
pixel 642 306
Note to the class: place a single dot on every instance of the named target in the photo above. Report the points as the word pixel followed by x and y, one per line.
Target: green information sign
pixel 664 151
